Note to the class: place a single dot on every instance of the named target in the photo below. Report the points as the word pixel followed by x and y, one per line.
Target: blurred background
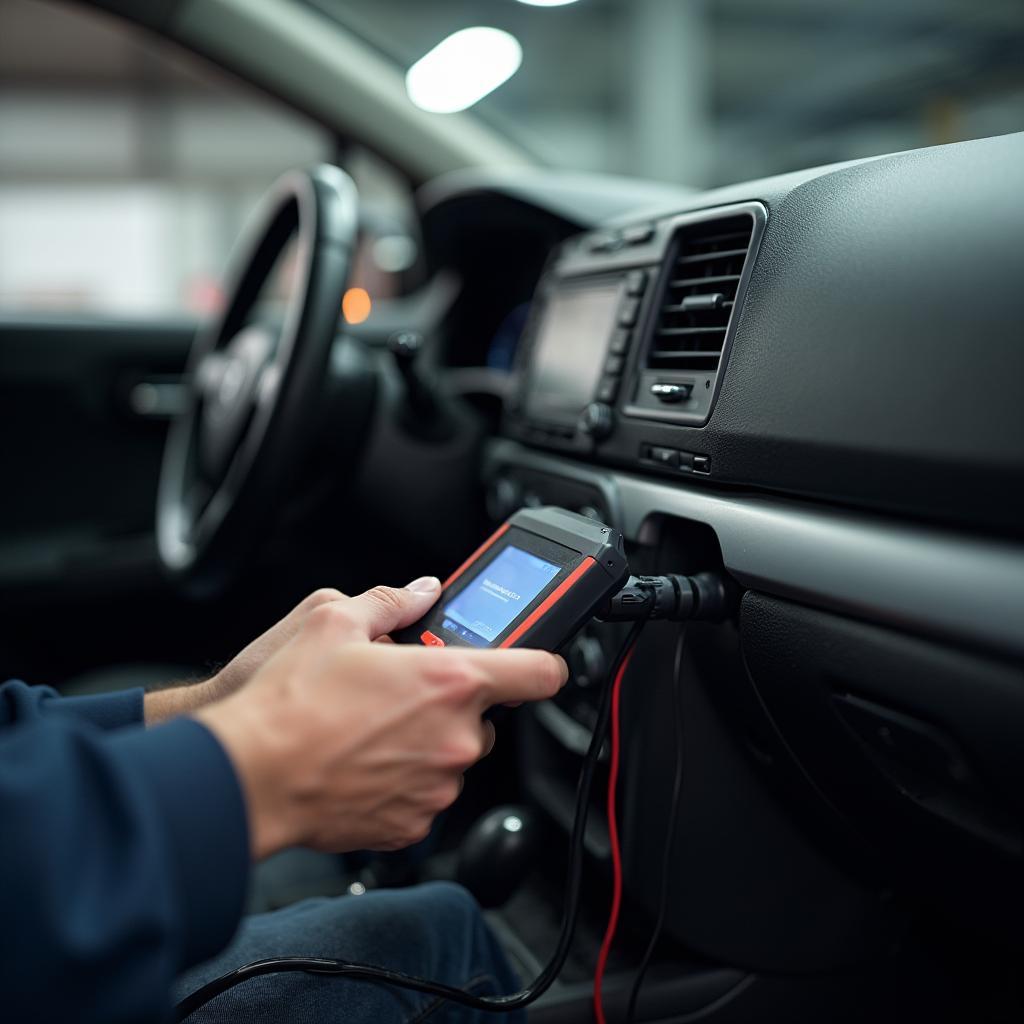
pixel 128 167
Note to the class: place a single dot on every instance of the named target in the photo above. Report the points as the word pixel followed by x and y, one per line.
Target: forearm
pixel 183 699
pixel 267 762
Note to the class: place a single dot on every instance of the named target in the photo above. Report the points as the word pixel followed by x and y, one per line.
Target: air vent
pixel 699 297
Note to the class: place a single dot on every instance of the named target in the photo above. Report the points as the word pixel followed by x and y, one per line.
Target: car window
pixel 127 166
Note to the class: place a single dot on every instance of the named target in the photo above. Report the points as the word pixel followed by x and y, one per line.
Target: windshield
pixel 704 93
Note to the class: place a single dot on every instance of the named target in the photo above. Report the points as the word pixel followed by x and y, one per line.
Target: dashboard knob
pixel 504 497
pixel 587 662
pixel 597 420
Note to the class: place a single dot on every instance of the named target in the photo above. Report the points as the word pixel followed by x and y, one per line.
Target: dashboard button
pixel 608 389
pixel 671 392
pixel 638 234
pixel 620 341
pixel 504 496
pixel 598 420
pixel 636 281
pixel 664 456
pixel 628 312
pixel 606 242
pixel 613 365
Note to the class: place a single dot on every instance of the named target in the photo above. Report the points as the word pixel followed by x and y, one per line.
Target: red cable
pixel 613 840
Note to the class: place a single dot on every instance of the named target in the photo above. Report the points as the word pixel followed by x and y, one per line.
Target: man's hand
pixel 342 744
pixel 173 701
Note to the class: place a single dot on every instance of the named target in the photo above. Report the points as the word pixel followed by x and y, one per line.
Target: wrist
pixel 224 683
pixel 175 701
pixel 260 757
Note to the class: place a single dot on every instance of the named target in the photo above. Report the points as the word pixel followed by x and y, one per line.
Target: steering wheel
pixel 253 380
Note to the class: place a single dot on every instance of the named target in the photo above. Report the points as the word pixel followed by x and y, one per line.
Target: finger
pixel 490 736
pixel 325 595
pixel 265 645
pixel 384 609
pixel 291 624
pixel 518 675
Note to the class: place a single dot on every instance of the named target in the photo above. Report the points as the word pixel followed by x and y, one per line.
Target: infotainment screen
pixel 569 352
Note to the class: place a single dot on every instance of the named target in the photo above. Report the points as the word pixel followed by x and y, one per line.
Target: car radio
pixel 628 337
pixel 577 340
pixel 579 349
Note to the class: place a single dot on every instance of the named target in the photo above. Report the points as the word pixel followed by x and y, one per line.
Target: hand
pixel 343 744
pixel 244 665
pixel 173 701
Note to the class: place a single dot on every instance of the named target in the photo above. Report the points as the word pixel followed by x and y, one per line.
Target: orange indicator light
pixel 356 305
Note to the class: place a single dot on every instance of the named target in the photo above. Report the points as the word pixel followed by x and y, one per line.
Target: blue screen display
pixel 494 598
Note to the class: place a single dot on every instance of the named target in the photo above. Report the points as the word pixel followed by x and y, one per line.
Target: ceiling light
pixel 547 3
pixel 462 69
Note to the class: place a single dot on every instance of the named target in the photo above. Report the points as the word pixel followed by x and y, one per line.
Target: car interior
pixel 411 321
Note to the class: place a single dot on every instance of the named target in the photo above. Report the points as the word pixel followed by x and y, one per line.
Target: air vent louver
pixel 700 293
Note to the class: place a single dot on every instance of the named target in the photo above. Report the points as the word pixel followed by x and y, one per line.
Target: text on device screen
pixel 569 352
pixel 495 597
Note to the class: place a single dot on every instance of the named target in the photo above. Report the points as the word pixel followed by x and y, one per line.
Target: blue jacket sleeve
pixel 123 859
pixel 21 703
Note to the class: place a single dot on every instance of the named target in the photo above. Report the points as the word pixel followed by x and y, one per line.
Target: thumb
pixel 384 609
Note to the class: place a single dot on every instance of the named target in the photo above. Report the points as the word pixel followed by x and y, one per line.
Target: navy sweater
pixel 123 856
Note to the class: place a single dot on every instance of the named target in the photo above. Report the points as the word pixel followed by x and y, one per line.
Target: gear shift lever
pixel 498 852
pixel 424 414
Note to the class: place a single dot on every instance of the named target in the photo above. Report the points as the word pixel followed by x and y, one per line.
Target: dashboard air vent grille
pixel 698 300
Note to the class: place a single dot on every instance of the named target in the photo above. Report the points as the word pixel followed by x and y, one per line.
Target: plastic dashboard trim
pixel 672 226
pixel 912 577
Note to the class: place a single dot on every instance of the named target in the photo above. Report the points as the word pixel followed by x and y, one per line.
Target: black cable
pixel 666 863
pixel 498 1004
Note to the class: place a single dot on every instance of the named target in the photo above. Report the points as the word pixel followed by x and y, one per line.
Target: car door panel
pixel 79 463
pixel 69 404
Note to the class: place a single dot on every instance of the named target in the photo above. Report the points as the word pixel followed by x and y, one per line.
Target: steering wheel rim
pixel 249 415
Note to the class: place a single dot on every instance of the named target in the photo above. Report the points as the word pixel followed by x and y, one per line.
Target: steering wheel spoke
pixel 231 453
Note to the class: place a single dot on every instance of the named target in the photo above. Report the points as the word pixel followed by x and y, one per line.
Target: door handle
pixel 160 397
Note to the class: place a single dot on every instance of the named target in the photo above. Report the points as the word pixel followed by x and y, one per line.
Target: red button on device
pixel 430 639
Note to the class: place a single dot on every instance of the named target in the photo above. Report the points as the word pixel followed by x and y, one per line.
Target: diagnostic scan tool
pixel 535 582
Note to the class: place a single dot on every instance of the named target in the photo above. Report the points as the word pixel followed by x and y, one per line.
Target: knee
pixel 449 899
pixel 445 916
pixel 464 950
pixel 421 929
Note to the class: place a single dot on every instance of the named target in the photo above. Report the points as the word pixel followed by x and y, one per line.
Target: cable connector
pixel 673 597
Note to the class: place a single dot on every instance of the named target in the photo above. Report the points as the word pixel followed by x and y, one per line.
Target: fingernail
pixel 424 585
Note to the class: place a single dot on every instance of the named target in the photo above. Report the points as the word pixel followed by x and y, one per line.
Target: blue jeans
pixel 434 931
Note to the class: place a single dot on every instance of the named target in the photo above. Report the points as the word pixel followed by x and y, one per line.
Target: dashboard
pixel 813 382
pixel 851 349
